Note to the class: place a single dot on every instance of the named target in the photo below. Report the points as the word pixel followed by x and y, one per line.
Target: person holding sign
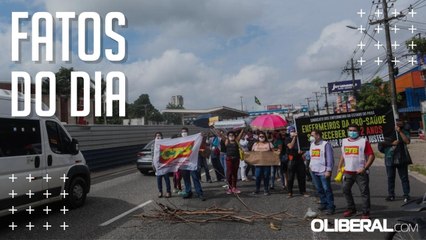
pixel 296 166
pixel 357 156
pixel 321 165
pixel 262 171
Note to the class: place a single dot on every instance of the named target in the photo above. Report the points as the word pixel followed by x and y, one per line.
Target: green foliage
pixel 374 95
pixel 173 118
pixel 420 45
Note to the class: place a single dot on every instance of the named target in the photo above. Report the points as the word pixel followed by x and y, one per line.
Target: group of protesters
pixel 225 152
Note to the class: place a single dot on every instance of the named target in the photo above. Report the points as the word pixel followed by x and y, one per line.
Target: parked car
pixel 38 158
pixel 144 161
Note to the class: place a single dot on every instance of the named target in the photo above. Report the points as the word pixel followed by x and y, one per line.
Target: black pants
pixel 202 164
pixel 362 180
pixel 218 168
pixel 296 167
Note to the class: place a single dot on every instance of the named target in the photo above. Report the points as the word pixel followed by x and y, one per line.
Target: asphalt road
pixel 117 197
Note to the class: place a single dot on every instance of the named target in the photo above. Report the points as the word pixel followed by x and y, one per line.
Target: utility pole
pixel 352 70
pixel 390 60
pixel 326 100
pixel 317 95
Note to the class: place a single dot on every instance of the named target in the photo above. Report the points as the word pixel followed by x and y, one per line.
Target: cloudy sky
pixel 214 51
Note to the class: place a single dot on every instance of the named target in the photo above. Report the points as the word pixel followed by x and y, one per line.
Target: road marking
pixel 125 213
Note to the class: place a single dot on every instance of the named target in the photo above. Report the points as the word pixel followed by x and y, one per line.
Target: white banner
pixel 178 153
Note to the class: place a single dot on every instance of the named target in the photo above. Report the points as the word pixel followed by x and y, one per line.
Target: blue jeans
pixel 274 171
pixel 325 193
pixel 403 175
pixel 160 183
pixel 265 173
pixel 187 175
pixel 223 161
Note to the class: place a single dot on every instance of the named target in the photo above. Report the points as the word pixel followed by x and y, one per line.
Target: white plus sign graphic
pixel 412 45
pixel 361 61
pixel 412 61
pixel 47 194
pixel 30 178
pixel 30 210
pixel 378 61
pixel 361 13
pixel 378 13
pixel 361 45
pixel 395 29
pixel 13 178
pixel 64 210
pixel 47 226
pixel 47 178
pixel 412 13
pixel 47 210
pixel 64 226
pixel 13 210
pixel 30 226
pixel 412 29
pixel 29 193
pixel 395 60
pixel 13 193
pixel 361 29
pixel 13 226
pixel 395 45
pixel 378 45
pixel 395 12
pixel 64 194
pixel 64 177
pixel 378 29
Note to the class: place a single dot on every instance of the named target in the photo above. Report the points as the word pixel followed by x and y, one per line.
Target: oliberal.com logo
pixel 359 225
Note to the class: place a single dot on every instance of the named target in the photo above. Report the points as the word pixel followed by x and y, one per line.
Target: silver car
pixel 144 161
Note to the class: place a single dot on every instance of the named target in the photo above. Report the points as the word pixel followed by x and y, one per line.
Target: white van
pixel 39 162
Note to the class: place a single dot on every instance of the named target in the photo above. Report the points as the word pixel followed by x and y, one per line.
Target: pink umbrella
pixel 268 122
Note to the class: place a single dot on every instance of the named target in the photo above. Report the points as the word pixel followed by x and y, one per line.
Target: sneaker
pixel 255 193
pixel 202 198
pixel 272 188
pixel 181 193
pixel 210 181
pixel 266 193
pixel 390 198
pixel 175 190
pixel 407 199
pixel 329 212
pixel 306 194
pixel 225 186
pixel 168 195
pixel 349 213
pixel 187 195
pixel 236 190
pixel 160 195
pixel 365 216
pixel 229 191
pixel 322 208
pixel 290 195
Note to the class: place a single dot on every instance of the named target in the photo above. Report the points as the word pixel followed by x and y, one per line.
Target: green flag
pixel 257 101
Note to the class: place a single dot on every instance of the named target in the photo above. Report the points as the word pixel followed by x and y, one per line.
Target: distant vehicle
pixel 144 161
pixel 39 161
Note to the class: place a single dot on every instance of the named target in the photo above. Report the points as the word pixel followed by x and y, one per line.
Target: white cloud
pixel 335 44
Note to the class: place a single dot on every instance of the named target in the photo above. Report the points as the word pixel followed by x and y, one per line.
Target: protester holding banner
pixel 262 171
pixel 158 136
pixel 321 165
pixel 296 166
pixel 398 158
pixel 357 157
pixel 232 160
pixel 188 174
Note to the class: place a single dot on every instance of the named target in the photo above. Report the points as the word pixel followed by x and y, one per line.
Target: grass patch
pixel 418 168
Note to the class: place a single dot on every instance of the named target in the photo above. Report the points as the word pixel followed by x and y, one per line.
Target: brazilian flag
pixel 257 101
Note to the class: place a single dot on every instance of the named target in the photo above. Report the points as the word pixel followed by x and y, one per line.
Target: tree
pixel 173 118
pixel 142 107
pixel 375 94
pixel 416 45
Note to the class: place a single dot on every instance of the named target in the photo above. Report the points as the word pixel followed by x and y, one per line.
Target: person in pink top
pixel 357 157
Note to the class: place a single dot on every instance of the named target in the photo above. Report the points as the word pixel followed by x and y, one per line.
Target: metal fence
pixel 106 146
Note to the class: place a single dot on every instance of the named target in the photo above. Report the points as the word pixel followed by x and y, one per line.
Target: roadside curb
pixel 415 175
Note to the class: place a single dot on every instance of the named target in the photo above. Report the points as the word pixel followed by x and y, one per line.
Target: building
pixel 411 87
pixel 224 113
pixel 177 100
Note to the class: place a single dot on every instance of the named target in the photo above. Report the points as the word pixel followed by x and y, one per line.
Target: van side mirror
pixel 74 148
